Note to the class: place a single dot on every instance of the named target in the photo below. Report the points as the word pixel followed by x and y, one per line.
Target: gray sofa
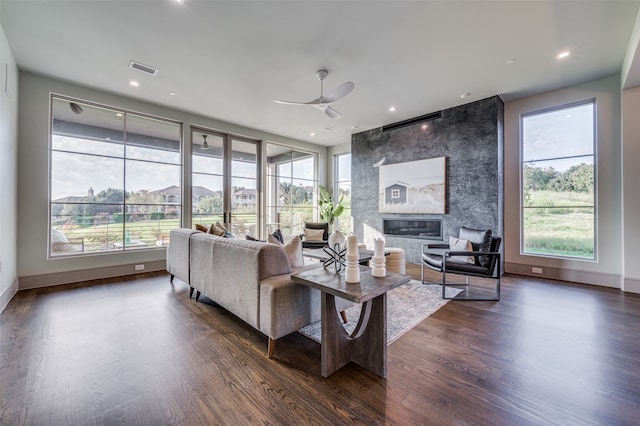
pixel 251 279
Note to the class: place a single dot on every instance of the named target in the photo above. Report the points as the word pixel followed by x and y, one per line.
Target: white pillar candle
pixel 352 244
pixel 378 247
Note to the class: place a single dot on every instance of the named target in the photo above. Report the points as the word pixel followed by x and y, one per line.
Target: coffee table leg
pixel 368 346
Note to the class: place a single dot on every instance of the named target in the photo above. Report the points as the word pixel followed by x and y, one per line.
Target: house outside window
pixel 558 182
pixel 114 179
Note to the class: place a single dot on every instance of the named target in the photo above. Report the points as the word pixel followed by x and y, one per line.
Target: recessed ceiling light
pixel 511 61
pixel 465 95
pixel 179 1
pixel 312 134
pixel 392 109
pixel 172 93
pixel 563 55
pixel 134 83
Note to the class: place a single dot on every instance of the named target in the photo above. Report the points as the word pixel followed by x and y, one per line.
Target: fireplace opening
pixel 413 228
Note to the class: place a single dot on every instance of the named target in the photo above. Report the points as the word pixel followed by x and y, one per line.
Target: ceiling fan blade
pixel 340 92
pixel 288 102
pixel 332 113
pixel 313 102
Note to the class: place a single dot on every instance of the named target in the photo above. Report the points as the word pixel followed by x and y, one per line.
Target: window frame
pixel 593 155
pixel 125 233
pixel 337 181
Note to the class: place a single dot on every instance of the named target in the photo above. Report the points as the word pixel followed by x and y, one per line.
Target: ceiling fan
pixel 323 102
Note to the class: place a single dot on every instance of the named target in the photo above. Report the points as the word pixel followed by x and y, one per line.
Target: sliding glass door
pixel 290 187
pixel 224 182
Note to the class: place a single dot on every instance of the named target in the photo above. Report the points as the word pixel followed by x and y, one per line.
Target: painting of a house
pixel 395 194
pixel 413 187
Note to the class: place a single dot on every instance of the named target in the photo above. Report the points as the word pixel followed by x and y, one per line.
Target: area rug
pixel 407 306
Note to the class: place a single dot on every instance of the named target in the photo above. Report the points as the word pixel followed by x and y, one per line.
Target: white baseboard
pixel 7 295
pixel 47 280
pixel 631 285
pixel 582 277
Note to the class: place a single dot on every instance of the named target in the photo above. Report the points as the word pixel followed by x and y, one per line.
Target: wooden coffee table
pixel 367 344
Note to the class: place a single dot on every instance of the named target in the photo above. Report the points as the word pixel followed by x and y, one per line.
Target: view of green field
pixel 559 223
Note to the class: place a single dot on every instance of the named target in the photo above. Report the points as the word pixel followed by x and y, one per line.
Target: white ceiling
pixel 230 59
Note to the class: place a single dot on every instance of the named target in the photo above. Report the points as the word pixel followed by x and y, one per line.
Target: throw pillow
pixel 293 249
pixel 215 230
pixel 456 244
pixel 250 238
pixel 278 235
pixel 201 228
pixel 221 226
pixel 228 234
pixel 313 234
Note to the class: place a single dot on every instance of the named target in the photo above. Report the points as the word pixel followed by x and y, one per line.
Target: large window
pixel 115 179
pixel 290 188
pixel 558 182
pixel 342 187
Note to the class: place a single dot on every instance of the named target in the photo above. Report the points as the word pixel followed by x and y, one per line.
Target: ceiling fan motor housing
pixel 322 74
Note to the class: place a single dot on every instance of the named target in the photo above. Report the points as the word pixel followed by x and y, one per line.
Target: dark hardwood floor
pixel 138 351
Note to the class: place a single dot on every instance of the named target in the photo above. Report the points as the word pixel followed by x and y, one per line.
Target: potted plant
pixel 328 209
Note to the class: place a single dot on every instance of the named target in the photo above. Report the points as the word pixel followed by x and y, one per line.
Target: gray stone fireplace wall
pixel 470 137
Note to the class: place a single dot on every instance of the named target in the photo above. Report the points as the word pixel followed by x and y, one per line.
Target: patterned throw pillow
pixel 278 235
pixel 250 238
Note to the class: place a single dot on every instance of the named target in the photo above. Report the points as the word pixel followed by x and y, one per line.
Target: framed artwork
pixel 413 187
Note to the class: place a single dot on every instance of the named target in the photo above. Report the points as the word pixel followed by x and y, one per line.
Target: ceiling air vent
pixel 144 68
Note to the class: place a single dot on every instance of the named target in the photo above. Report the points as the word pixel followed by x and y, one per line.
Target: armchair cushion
pixel 313 234
pixel 319 225
pixel 480 241
pixel 317 239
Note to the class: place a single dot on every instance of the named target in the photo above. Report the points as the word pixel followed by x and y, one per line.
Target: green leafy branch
pixel 328 209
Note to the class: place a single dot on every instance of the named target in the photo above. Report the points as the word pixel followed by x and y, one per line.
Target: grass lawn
pixel 554 224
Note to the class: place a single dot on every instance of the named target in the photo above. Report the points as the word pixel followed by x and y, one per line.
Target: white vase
pixel 336 237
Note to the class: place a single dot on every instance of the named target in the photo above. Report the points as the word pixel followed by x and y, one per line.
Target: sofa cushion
pixel 201 228
pixel 293 249
pixel 215 230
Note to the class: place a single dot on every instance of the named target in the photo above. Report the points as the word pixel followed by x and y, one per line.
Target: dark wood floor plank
pixel 137 351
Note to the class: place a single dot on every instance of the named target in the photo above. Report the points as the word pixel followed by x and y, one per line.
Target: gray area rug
pixel 407 306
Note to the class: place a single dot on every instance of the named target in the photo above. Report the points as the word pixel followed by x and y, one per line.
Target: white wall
pixel 34 269
pixel 630 190
pixel 8 173
pixel 607 268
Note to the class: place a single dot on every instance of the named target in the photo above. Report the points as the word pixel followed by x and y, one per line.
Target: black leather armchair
pixel 485 263
pixel 316 243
